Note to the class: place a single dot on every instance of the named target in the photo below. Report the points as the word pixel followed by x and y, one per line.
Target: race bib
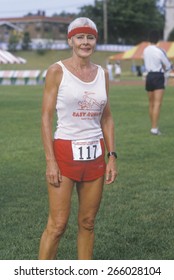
pixel 86 150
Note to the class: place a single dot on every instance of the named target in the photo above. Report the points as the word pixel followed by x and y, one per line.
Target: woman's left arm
pixel 107 124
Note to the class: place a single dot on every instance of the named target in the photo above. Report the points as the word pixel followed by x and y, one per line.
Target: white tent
pixel 7 57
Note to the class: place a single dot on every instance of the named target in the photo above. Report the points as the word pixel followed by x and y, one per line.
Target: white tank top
pixel 80 106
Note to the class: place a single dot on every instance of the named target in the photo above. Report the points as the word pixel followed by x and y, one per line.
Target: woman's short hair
pixel 154 36
pixel 80 22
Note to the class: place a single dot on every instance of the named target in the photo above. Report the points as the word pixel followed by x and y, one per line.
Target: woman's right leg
pixel 59 210
pixel 151 101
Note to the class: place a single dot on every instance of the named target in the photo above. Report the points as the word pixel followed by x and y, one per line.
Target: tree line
pixel 128 21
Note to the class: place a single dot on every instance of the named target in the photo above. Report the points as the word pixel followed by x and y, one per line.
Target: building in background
pixel 169 18
pixel 6 30
pixel 42 29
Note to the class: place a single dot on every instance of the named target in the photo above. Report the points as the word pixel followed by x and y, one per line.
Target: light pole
pixel 105 21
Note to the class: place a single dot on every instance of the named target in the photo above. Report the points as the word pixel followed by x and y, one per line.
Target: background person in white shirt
pixel 109 67
pixel 156 65
pixel 117 71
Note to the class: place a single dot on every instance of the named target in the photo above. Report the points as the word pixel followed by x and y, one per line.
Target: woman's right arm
pixel 52 82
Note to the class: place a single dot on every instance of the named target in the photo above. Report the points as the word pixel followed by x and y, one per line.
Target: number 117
pixel 89 152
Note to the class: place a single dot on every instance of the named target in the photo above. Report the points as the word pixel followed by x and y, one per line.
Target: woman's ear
pixel 70 42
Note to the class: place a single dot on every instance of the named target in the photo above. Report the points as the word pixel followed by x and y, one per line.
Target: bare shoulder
pixel 105 70
pixel 54 70
pixel 106 73
pixel 106 79
pixel 53 77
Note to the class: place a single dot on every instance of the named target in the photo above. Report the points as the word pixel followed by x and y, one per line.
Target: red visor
pixel 84 29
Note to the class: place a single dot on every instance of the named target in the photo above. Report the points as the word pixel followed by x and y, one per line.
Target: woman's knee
pixel 86 224
pixel 56 228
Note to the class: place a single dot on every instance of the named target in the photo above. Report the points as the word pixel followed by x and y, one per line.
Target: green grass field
pixel 41 62
pixel 136 218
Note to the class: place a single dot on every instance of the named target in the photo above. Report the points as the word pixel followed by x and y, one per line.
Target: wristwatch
pixel 112 154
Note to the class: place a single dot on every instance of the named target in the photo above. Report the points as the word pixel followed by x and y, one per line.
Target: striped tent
pixel 7 57
pixel 136 52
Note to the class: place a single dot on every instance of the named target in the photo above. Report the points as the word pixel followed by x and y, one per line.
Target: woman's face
pixel 83 45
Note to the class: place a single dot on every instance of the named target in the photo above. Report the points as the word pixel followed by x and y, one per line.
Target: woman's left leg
pixel 90 194
pixel 156 106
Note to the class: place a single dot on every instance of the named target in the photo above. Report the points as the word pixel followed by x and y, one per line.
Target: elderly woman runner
pixel 78 90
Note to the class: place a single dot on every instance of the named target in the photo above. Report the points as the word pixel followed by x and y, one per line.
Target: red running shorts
pixel 79 171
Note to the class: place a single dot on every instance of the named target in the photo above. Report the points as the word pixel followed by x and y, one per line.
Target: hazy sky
pixel 18 8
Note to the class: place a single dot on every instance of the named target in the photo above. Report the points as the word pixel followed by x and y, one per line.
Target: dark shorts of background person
pixel 78 170
pixel 155 80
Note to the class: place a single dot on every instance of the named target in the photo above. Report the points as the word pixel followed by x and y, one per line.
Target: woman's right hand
pixel 53 174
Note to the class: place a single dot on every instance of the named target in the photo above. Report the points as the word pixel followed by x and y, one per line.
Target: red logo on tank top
pixel 89 107
pixel 89 102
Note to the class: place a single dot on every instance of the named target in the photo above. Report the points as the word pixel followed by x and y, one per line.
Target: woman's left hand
pixel 111 171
